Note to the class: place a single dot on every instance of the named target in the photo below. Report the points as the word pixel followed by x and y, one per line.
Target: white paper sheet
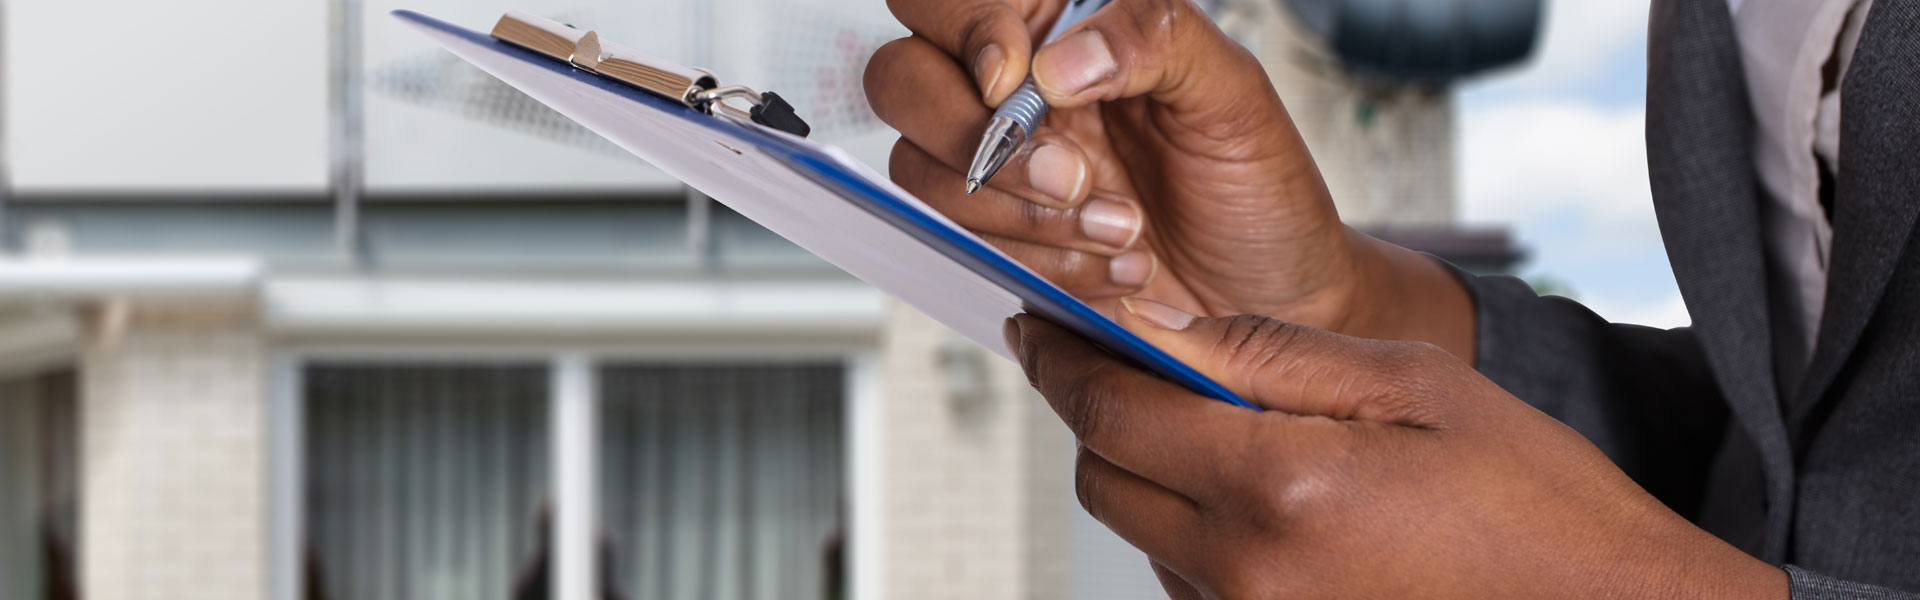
pixel 772 194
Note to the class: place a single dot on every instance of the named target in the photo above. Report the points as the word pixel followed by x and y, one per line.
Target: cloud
pixel 1571 178
pixel 1557 150
pixel 1532 161
pixel 1582 38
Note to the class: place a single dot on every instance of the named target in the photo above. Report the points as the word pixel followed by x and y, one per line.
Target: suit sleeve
pixel 1807 585
pixel 1645 396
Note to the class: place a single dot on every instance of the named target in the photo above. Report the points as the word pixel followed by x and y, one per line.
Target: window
pixel 712 480
pixel 723 482
pixel 38 487
pixel 424 482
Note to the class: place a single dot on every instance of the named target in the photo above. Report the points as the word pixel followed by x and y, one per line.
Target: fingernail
pixel 987 67
pixel 1130 270
pixel 1157 314
pixel 1056 172
pixel 1112 223
pixel 1011 330
pixel 1072 64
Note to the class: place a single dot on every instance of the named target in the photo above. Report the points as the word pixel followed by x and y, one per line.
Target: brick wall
pixel 975 497
pixel 172 450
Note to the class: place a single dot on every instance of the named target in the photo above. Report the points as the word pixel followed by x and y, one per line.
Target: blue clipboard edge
pixel 1038 295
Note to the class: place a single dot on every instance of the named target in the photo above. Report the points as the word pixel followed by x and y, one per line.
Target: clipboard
pixel 817 196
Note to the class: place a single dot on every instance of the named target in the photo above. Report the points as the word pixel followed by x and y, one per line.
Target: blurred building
pixel 294 305
pixel 1380 118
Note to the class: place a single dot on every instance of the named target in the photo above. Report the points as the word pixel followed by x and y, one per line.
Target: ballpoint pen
pixel 1014 122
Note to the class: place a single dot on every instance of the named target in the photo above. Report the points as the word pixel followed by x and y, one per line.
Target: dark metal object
pixel 774 111
pixel 767 109
pixel 1427 41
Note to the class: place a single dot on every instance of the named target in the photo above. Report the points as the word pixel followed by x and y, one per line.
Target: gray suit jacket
pixel 1824 476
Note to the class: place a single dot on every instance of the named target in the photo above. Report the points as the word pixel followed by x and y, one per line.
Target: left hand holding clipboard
pixel 1378 470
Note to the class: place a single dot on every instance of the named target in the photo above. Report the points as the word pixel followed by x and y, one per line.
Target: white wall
pixel 197 94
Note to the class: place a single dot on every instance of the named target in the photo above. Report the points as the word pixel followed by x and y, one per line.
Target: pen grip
pixel 1025 108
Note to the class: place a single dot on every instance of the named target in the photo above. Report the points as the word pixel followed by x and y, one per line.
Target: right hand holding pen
pixel 1168 168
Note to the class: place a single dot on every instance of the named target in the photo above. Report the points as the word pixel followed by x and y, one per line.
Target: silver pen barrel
pixel 1010 129
pixel 1012 126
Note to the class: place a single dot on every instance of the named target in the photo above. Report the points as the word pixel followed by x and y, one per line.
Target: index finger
pixel 992 38
pixel 1134 420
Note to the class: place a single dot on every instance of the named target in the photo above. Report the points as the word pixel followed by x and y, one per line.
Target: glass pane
pixel 425 482
pixel 38 475
pixel 723 482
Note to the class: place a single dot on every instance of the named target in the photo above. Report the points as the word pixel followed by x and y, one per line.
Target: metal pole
pixel 700 229
pixel 699 206
pixel 348 179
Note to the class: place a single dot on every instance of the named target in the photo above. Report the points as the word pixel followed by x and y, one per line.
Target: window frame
pixel 573 429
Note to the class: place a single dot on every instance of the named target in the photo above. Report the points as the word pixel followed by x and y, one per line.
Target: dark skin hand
pixel 1380 469
pixel 1168 169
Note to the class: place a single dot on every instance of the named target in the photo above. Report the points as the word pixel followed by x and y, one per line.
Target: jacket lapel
pixel 1878 191
pixel 1699 150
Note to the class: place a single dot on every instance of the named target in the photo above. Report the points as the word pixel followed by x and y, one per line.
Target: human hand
pixel 1167 168
pixel 1379 470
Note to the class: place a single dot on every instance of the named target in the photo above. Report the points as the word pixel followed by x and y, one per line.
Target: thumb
pixel 1165 49
pixel 1294 368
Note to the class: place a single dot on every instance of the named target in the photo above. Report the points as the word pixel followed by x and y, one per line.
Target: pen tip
pixel 973 185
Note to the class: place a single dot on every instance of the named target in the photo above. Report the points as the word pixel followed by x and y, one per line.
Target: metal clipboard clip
pixel 696 88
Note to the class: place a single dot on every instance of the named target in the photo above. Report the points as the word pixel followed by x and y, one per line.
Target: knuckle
pixel 1077 271
pixel 1087 482
pixel 1409 377
pixel 1090 403
pixel 901 163
pixel 1251 343
pixel 1159 21
pixel 912 168
pixel 1416 354
pixel 1036 218
pixel 1032 355
pixel 980 19
pixel 883 66
pixel 1246 574
pixel 1235 580
pixel 1285 500
pixel 1274 506
pixel 1380 360
pixel 1274 496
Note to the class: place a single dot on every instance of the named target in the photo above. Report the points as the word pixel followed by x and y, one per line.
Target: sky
pixel 1556 150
